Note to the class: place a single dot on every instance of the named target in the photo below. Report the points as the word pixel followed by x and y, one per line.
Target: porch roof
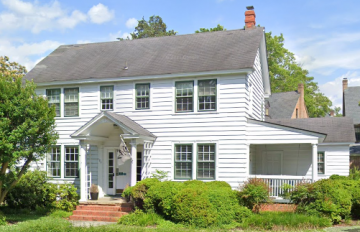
pixel 118 119
pixel 336 129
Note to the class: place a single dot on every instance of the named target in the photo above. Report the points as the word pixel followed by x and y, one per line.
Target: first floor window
pixel 183 161
pixel 71 102
pixel 53 96
pixel 54 162
pixel 184 93
pixel 206 161
pixel 357 133
pixel 207 94
pixel 107 97
pixel 142 96
pixel 321 163
pixel 71 161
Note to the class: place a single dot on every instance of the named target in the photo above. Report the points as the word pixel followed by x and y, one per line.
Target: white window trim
pixel 99 98
pixel 325 163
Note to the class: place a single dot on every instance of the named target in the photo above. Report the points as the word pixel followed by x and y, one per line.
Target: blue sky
pixel 323 35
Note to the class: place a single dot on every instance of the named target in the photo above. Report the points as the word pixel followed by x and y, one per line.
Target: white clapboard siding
pixel 337 159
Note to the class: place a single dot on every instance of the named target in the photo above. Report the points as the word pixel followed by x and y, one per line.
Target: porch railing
pixel 276 183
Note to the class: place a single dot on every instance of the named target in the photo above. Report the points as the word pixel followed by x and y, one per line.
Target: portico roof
pixel 129 126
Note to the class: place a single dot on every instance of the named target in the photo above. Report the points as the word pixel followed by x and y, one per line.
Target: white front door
pixel 273 162
pixel 111 171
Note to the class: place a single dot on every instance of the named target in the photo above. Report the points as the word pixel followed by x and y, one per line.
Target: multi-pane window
pixel 183 161
pixel 71 161
pixel 321 163
pixel 184 96
pixel 71 102
pixel 207 94
pixel 53 96
pixel 357 133
pixel 107 97
pixel 54 162
pixel 206 161
pixel 142 96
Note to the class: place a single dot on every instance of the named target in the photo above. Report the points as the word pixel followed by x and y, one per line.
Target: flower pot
pixel 94 196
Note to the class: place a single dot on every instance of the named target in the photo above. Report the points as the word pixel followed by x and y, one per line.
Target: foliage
pixel 354 174
pixel 286 189
pixel 196 203
pixel 217 28
pixel 286 74
pixel 2 219
pixel 127 192
pixel 336 198
pixel 139 218
pixel 43 224
pixel 94 188
pixel 139 191
pixel 60 214
pixel 160 175
pixel 27 125
pixel 253 193
pixel 285 221
pixel 35 192
pixel 155 27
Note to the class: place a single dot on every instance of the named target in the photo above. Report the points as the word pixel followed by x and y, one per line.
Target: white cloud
pixel 24 53
pixel 333 89
pixel 113 37
pixel 83 41
pixel 37 17
pixel 100 14
pixel 131 23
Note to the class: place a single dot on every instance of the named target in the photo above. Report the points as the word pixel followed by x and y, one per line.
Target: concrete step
pixel 99 213
pixel 93 218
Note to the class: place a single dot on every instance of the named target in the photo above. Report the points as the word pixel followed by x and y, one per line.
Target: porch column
pixel 314 162
pixel 133 162
pixel 83 192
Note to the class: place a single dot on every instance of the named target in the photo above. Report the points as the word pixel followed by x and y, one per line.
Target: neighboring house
pixel 351 108
pixel 191 105
pixel 287 104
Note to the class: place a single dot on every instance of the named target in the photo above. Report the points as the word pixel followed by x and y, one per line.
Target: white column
pixel 314 162
pixel 83 193
pixel 133 162
pixel 101 170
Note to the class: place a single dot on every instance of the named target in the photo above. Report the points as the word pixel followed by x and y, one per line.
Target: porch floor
pixel 107 200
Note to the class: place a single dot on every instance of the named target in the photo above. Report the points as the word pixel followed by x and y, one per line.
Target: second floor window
pixel 71 102
pixel 184 96
pixel 107 97
pixel 207 95
pixel 53 96
pixel 142 96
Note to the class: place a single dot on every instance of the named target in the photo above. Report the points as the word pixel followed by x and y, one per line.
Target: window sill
pixel 107 110
pixel 195 113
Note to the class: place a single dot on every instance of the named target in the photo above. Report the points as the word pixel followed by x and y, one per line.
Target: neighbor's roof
pixel 282 105
pixel 337 129
pixel 201 52
pixel 352 99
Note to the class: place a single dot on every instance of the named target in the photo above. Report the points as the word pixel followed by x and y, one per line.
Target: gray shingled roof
pixel 337 129
pixel 130 123
pixel 122 119
pixel 213 51
pixel 352 99
pixel 282 105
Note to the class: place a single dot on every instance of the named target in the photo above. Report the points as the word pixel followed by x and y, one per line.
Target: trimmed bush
pixel 253 193
pixel 139 191
pixel 33 191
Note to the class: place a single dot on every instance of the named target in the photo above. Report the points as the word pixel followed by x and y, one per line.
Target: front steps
pixel 101 212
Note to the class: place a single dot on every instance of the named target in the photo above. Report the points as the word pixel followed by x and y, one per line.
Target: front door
pixel 111 172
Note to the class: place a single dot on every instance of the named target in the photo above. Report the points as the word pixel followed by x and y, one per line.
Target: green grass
pixel 285 221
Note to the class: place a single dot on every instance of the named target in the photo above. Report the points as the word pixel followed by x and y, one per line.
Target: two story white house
pixel 191 105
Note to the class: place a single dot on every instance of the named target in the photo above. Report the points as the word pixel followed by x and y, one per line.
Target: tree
pixel 27 125
pixel 217 28
pixel 285 75
pixel 155 27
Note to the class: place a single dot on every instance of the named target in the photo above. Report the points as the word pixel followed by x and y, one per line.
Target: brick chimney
pixel 301 110
pixel 345 86
pixel 250 18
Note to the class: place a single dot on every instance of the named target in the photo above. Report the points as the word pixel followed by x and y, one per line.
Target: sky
pixel 324 35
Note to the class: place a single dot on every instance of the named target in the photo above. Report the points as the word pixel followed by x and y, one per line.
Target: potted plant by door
pixel 94 192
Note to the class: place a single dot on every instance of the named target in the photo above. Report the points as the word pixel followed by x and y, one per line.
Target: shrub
pixel 217 184
pixel 332 198
pixel 160 175
pixel 33 191
pixel 139 191
pixel 253 193
pixel 126 193
pixel 354 174
pixel 2 219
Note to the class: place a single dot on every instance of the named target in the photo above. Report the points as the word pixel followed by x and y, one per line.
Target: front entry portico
pixel 99 144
